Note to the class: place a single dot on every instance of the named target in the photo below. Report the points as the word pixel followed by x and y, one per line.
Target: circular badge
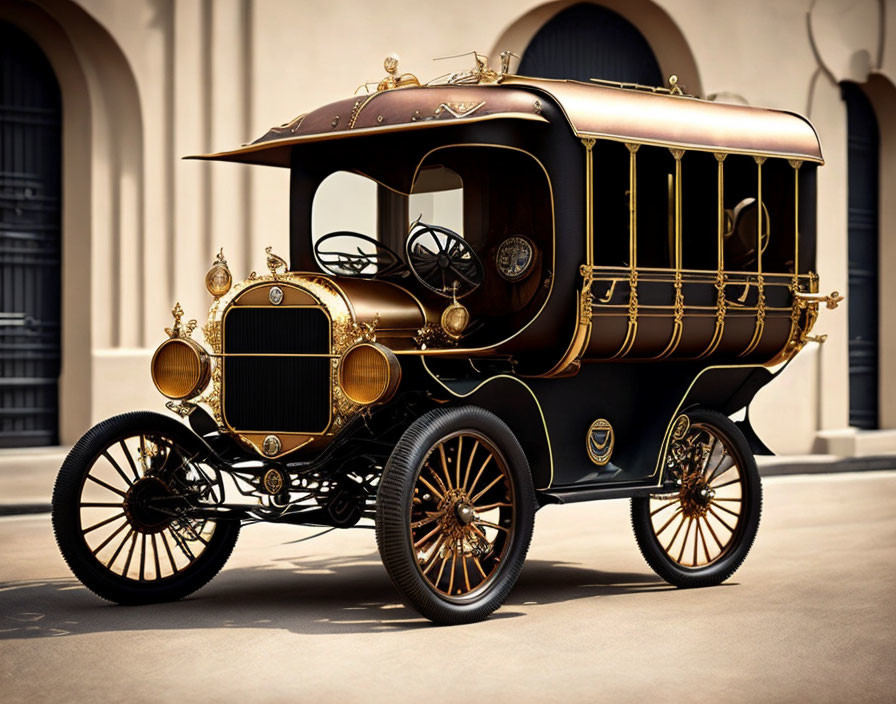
pixel 515 258
pixel 599 442
pixel 275 295
pixel 680 428
pixel 271 445
pixel 218 280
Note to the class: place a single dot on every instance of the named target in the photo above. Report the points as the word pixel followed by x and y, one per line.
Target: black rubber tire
pixel 393 536
pixel 66 522
pixel 722 569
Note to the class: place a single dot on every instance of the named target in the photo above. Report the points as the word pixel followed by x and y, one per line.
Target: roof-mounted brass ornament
pixel 393 79
pixel 179 329
pixel 480 73
pixel 275 262
pixel 218 280
pixel 674 88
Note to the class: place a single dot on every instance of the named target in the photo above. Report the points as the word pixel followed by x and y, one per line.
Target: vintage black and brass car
pixel 623 269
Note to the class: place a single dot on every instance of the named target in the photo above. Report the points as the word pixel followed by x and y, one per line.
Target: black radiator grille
pixel 276 394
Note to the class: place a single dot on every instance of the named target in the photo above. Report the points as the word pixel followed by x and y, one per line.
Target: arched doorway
pixel 863 178
pixel 589 41
pixel 30 187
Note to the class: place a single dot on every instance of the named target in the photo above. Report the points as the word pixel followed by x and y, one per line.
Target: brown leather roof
pixel 593 110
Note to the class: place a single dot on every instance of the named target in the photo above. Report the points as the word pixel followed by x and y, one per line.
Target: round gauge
pixel 515 258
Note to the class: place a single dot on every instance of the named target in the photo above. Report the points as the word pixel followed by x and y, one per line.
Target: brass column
pixel 632 330
pixel 760 281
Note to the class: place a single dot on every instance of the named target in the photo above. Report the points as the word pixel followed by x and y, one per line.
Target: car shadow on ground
pixel 302 595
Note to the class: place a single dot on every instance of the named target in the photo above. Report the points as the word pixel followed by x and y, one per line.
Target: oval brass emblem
pixel 599 442
pixel 271 445
pixel 273 481
pixel 275 295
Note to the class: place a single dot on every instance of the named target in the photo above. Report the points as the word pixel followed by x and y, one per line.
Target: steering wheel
pixel 369 258
pixel 443 261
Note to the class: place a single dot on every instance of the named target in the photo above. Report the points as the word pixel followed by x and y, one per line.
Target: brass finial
pixel 179 329
pixel 275 262
pixel 674 88
pixel 218 279
pixel 391 64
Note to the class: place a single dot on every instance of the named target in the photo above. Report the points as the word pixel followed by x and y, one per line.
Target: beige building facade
pixel 144 82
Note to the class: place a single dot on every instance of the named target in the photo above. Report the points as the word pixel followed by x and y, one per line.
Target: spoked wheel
pixel 116 512
pixel 454 514
pixel 699 535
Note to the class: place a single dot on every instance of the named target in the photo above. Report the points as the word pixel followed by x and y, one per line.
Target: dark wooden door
pixel 864 156
pixel 589 41
pixel 30 144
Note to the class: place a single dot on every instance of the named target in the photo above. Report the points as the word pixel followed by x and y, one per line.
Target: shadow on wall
pixel 308 595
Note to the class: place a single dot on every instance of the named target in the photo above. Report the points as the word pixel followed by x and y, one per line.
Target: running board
pixel 575 494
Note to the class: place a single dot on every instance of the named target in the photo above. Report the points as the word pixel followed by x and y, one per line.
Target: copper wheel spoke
pixel 671 518
pixel 430 517
pixel 703 540
pixel 155 554
pixel 728 483
pixel 109 539
pixel 427 536
pixel 489 507
pixel 118 469
pixel 106 486
pixel 489 524
pixel 117 516
pixel 445 465
pixel 479 567
pixel 432 489
pixel 479 473
pixel 453 570
pixel 120 546
pixel 127 454
pixel 463 559
pixel 431 560
pixel 435 475
pixel 168 550
pixel 127 563
pixel 684 541
pixel 716 473
pixel 722 508
pixel 491 484
pixel 143 557
pixel 720 520
pixel 441 571
pixel 675 535
pixel 664 506
pixel 469 465
pixel 713 534
pixel 460 445
pixel 98 504
pixel 733 500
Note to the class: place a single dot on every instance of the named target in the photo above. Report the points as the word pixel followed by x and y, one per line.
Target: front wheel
pixel 455 512
pixel 114 512
pixel 700 534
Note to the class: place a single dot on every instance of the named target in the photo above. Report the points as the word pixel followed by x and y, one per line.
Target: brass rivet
pixel 379 119
pixel 335 121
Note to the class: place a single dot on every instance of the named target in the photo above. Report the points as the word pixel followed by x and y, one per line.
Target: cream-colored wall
pixel 168 78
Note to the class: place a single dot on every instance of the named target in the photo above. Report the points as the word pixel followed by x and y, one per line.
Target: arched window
pixel 589 41
pixel 863 178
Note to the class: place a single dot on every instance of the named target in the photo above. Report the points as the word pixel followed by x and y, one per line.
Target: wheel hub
pixel 139 508
pixel 695 495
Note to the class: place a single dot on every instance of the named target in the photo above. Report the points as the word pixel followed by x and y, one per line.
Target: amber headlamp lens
pixel 369 373
pixel 180 368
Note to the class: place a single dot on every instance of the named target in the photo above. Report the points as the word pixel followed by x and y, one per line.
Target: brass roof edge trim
pixel 342 134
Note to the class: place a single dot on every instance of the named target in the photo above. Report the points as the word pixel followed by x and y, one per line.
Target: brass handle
pixel 831 301
pixel 820 339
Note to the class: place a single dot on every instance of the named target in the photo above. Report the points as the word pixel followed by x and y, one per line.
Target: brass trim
pixel 679 307
pixel 342 134
pixel 519 381
pixel 632 331
pixel 760 282
pixel 721 304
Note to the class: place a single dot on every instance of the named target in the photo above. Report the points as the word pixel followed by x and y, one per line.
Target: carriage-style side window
pixel 655 207
pixel 345 202
pixel 438 198
pixel 611 194
pixel 699 211
pixel 778 191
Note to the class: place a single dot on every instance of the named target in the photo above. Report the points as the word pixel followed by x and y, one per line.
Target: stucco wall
pixel 172 77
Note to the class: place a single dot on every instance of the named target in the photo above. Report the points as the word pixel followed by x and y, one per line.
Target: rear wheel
pixel 699 535
pixel 114 512
pixel 455 511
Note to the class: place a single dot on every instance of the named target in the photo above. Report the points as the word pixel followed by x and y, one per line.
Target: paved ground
pixel 811 616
